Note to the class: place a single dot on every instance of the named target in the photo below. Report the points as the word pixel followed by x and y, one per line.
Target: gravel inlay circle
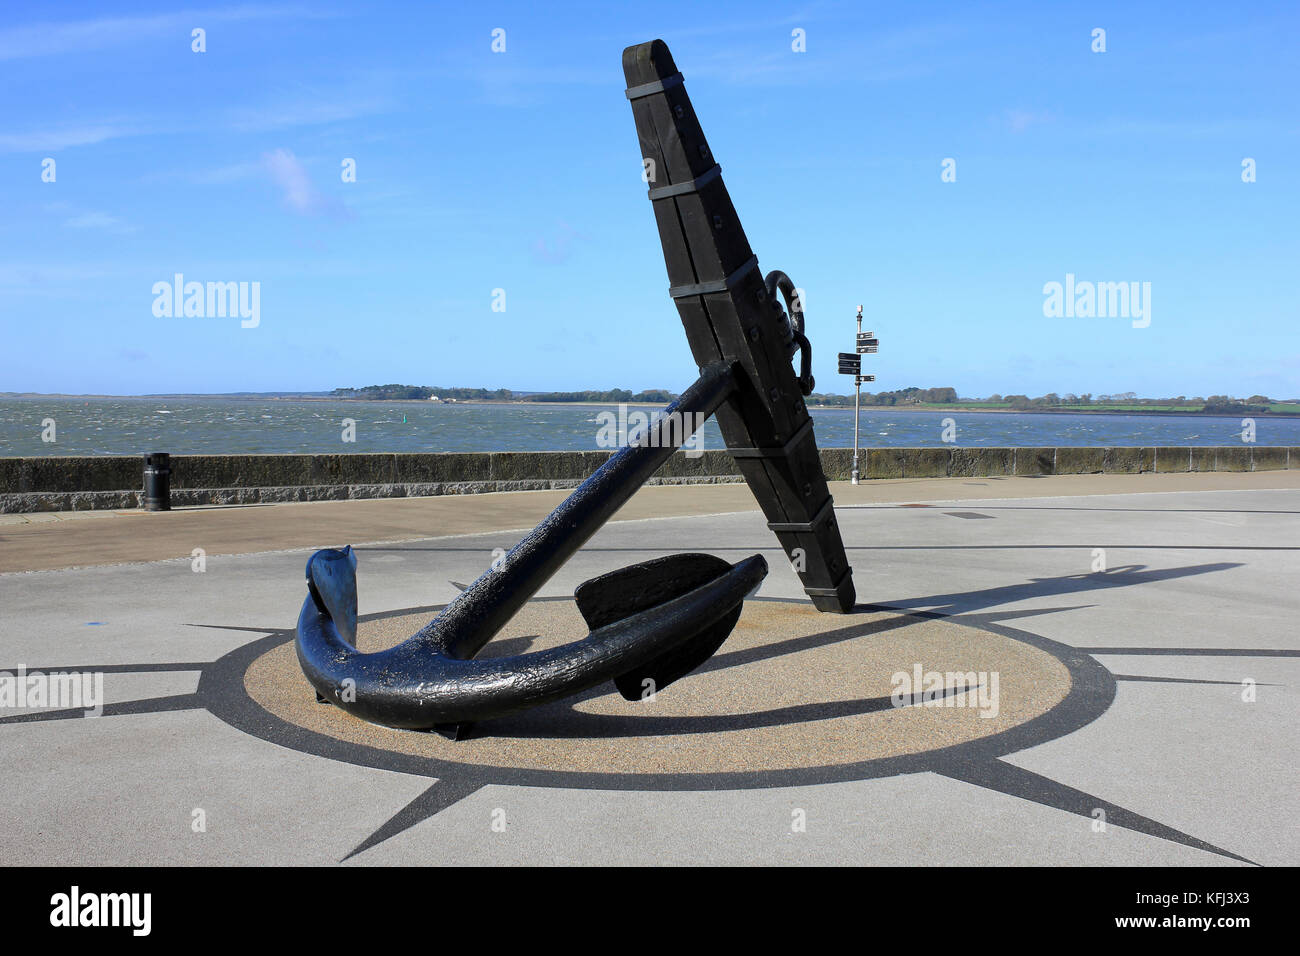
pixel 790 689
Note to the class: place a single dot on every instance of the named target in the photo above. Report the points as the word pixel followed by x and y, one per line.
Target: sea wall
pixel 83 483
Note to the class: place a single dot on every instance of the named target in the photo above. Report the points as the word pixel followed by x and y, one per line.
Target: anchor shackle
pixel 778 281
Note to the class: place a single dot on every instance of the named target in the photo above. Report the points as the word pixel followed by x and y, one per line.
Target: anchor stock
pixel 731 313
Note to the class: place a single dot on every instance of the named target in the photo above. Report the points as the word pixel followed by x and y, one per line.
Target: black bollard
pixel 157 482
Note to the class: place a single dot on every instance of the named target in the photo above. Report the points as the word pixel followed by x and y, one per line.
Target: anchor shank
pixel 485 606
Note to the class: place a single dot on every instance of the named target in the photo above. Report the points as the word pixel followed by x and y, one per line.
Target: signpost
pixel 851 364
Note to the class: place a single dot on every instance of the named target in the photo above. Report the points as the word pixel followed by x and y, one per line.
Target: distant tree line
pixel 424 392
pixel 1222 404
pixel 903 396
pixel 612 396
pixel 1215 404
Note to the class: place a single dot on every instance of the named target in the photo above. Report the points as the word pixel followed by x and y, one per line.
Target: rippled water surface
pixel 129 426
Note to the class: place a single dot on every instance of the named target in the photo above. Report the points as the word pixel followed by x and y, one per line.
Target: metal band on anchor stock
pixel 781 452
pixel 691 186
pixel 803 525
pixel 714 285
pixel 829 592
pixel 655 86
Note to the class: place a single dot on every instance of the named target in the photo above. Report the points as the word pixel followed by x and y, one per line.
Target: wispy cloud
pixel 887 56
pixel 99 220
pixel 310 110
pixel 1020 120
pixel 220 175
pixel 557 250
pixel 34 277
pixel 1228 126
pixel 63 137
pixel 83 36
pixel 298 192
pixel 516 79
pixel 93 220
pixel 76 217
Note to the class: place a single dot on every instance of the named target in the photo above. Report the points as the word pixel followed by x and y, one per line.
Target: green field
pixel 1130 407
pixel 1286 408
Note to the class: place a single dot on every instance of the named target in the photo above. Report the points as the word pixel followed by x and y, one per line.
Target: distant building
pixel 434 398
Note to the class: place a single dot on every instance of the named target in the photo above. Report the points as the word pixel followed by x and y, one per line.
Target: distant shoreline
pixel 931 409
pixel 966 409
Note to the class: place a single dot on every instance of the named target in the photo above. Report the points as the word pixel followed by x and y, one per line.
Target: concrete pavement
pixel 1169 601
pixel 49 540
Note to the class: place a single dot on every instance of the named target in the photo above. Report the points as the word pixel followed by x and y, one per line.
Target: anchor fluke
pixel 640 587
pixel 332 583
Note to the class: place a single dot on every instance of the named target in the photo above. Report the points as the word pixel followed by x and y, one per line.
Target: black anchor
pixel 653 622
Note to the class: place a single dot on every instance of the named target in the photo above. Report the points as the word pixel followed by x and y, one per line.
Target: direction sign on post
pixel 866 344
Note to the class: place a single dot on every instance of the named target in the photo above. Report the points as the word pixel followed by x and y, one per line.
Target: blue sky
pixel 520 171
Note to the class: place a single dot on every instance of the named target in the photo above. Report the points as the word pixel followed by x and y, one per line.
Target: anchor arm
pixel 405 686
